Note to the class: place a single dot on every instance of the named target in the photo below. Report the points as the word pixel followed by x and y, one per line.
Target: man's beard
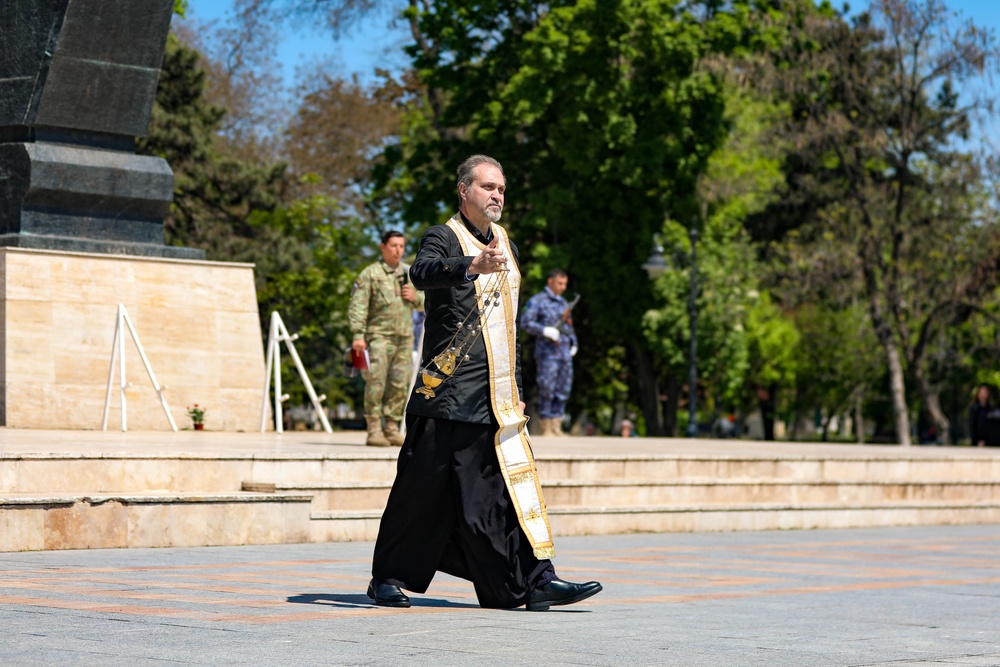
pixel 493 214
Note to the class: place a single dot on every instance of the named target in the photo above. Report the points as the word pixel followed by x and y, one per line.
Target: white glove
pixel 572 351
pixel 551 333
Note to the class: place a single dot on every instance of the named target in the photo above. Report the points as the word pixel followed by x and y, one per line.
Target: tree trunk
pixel 894 364
pixel 859 418
pixel 649 391
pixel 897 390
pixel 671 405
pixel 931 400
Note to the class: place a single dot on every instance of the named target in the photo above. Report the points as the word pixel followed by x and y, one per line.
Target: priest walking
pixel 466 499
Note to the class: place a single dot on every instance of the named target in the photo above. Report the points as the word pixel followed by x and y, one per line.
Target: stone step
pixel 331 495
pixel 716 518
pixel 633 493
pixel 363 525
pixel 126 473
pixel 638 493
pixel 189 473
pixel 101 521
pixel 345 525
pixel 736 468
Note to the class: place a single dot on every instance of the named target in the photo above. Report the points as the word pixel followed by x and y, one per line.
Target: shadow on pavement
pixel 362 600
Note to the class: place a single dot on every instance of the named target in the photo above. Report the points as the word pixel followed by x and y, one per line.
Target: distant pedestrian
pixel 984 419
pixel 548 317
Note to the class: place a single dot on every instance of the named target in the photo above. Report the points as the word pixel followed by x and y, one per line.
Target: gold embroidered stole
pixel 517 464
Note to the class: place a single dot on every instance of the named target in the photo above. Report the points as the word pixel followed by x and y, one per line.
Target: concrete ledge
pixel 34 522
pixel 610 520
pixel 152 498
pixel 770 507
pixel 61 489
pixel 348 526
pixel 363 525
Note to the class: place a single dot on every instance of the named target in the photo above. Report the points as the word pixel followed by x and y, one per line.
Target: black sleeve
pixel 440 262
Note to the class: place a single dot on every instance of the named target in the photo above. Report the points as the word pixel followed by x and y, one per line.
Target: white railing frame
pixel 277 334
pixel 123 321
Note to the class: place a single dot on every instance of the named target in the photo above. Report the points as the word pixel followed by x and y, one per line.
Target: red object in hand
pixel 361 360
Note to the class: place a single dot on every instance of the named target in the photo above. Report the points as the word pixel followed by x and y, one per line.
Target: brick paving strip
pixel 900 596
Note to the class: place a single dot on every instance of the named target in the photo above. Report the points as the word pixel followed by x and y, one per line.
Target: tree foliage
pixel 847 253
pixel 214 193
pixel 876 115
pixel 311 290
pixel 306 251
pixel 740 179
pixel 606 114
pixel 336 134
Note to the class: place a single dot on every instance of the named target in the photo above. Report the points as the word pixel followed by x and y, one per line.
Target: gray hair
pixel 468 167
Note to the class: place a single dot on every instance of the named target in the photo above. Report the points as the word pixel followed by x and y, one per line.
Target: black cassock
pixel 449 509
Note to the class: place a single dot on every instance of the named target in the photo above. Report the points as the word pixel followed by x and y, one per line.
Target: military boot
pixel 546 429
pixel 555 426
pixel 375 437
pixel 392 433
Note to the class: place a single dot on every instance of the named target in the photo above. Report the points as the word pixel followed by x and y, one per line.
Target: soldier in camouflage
pixel 547 317
pixel 381 319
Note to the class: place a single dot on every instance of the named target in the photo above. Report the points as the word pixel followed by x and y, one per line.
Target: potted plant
pixel 197 415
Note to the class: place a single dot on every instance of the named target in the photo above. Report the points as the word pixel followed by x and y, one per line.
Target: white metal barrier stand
pixel 118 352
pixel 277 333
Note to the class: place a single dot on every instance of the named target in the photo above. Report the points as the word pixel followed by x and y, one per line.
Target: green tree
pixel 606 114
pixel 337 132
pixel 773 342
pixel 312 287
pixel 306 252
pixel 739 180
pixel 214 194
pixel 840 365
pixel 876 103
pixel 726 293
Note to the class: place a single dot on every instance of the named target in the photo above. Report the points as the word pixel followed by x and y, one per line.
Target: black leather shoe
pixel 558 592
pixel 387 595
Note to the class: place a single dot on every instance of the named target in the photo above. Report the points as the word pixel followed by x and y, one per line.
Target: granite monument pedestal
pixel 198 323
pixel 81 230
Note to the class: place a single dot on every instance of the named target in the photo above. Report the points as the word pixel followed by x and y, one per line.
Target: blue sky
pixel 375 44
pixel 371 44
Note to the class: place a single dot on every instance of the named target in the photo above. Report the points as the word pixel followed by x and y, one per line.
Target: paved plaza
pixel 891 596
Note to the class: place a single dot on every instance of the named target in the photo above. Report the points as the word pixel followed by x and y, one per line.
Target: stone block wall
pixel 197 321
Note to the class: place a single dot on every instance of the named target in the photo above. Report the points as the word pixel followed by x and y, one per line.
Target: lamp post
pixel 656 266
pixel 692 428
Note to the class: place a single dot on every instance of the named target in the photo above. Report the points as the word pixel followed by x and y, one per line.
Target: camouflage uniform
pixel 380 316
pixel 554 359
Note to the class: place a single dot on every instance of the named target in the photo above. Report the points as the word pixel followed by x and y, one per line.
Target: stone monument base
pixel 197 321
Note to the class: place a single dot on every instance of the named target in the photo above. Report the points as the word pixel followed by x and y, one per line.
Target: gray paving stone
pixel 856 598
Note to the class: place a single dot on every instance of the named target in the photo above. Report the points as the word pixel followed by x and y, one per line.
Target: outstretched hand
pixel 489 260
